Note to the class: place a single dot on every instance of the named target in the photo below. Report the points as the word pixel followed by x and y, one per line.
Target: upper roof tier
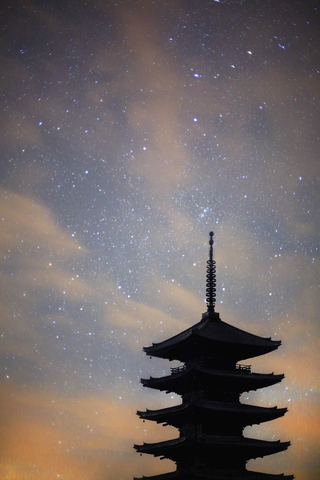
pixel 214 339
pixel 211 338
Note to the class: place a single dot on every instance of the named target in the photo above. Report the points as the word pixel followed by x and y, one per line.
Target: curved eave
pixel 182 350
pixel 219 475
pixel 242 381
pixel 246 448
pixel 241 413
pixel 212 333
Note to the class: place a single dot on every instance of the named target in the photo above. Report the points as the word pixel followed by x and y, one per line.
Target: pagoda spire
pixel 211 278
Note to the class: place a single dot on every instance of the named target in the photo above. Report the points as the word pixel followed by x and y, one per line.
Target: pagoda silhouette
pixel 211 418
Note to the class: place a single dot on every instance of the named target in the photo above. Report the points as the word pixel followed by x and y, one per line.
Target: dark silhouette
pixel 211 418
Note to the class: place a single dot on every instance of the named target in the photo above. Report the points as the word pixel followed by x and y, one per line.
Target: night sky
pixel 129 130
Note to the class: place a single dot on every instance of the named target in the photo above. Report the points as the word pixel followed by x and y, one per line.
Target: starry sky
pixel 129 130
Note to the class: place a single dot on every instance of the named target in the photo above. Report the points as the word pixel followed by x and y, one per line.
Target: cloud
pixel 37 284
pixel 300 425
pixel 136 324
pixel 71 437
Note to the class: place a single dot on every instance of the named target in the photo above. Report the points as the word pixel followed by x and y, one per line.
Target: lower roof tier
pixel 218 475
pixel 217 448
pixel 238 380
pixel 212 337
pixel 214 413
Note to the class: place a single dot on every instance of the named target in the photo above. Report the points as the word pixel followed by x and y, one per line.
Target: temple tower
pixel 210 418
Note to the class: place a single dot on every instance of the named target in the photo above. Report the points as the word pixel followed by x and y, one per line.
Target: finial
pixel 211 278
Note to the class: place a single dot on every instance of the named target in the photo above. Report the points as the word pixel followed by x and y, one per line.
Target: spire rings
pixel 211 276
pixel 211 283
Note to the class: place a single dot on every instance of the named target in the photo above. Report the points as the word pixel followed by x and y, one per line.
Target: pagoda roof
pixel 219 445
pixel 218 475
pixel 241 380
pixel 235 412
pixel 207 336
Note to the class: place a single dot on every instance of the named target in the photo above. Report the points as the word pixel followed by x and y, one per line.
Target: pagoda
pixel 210 418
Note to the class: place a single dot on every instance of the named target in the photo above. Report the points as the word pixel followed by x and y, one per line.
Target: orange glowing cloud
pixel 76 438
pixel 301 425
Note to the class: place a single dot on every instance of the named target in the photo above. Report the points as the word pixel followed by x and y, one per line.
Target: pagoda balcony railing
pixel 243 368
pixel 182 368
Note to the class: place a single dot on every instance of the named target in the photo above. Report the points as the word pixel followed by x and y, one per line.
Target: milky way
pixel 129 130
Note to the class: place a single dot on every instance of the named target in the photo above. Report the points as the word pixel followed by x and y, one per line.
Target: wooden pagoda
pixel 211 418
